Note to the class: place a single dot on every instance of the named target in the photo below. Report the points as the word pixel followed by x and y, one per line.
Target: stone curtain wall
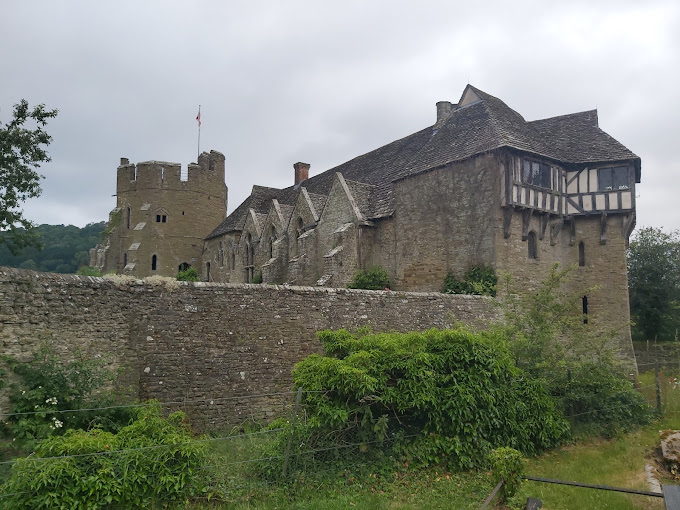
pixel 206 343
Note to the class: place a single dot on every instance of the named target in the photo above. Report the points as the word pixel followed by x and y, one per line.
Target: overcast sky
pixel 323 82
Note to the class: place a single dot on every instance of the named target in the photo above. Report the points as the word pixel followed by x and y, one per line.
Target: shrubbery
pixel 479 280
pixel 373 278
pixel 508 465
pixel 152 462
pixel 599 399
pixel 46 387
pixel 548 338
pixel 188 275
pixel 460 394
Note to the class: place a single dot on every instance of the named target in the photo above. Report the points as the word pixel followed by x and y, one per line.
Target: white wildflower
pixel 57 424
pixel 51 400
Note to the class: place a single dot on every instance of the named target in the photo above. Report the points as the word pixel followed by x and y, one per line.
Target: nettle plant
pixel 49 397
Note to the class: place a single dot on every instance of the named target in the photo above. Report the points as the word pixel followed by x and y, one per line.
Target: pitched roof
pixel 478 124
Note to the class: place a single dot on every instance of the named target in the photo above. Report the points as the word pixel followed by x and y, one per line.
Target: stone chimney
pixel 444 111
pixel 124 161
pixel 301 172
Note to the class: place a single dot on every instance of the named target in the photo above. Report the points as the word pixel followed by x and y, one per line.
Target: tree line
pixel 65 248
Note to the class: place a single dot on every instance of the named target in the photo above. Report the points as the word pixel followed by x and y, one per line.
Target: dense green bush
pixel 188 275
pixel 46 387
pixel 599 399
pixel 508 465
pixel 150 463
pixel 459 394
pixel 479 280
pixel 373 278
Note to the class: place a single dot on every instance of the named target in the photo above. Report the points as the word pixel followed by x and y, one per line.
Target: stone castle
pixel 481 186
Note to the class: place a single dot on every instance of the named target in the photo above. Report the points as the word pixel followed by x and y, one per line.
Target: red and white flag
pixel 198 117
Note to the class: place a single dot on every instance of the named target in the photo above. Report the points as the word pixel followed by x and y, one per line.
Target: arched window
pixel 250 258
pixel 207 271
pixel 272 239
pixel 532 246
pixel 183 266
pixel 299 228
pixel 154 262
pixel 584 304
pixel 581 254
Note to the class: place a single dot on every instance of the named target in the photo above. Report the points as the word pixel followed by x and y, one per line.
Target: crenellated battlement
pixel 149 175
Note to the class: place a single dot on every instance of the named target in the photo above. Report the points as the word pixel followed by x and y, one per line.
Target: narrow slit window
pixel 584 304
pixel 581 254
pixel 154 262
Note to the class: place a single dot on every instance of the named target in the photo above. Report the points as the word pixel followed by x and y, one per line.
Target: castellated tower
pixel 160 220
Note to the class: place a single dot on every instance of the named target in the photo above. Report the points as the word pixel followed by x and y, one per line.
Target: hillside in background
pixel 66 248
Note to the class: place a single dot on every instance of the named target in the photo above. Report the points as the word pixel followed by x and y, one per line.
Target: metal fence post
pixel 298 397
pixel 658 386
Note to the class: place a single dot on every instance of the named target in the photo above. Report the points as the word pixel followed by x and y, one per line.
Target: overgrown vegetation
pixel 257 278
pixel 577 362
pixel 46 388
pixel 188 275
pixel 455 394
pixel 372 278
pixel 479 280
pixel 508 465
pixel 65 248
pixel 150 463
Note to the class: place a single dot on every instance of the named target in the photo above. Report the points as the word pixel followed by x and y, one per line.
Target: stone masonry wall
pixel 205 343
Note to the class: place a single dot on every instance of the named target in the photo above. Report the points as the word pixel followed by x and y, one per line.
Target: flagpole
pixel 198 118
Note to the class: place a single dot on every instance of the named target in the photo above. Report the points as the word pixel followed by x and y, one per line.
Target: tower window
pixel 128 217
pixel 532 246
pixel 581 254
pixel 154 262
pixel 124 260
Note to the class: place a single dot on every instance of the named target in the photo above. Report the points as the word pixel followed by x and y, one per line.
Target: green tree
pixel 654 283
pixel 22 150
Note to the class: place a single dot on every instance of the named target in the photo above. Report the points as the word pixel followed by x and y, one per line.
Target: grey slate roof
pixel 472 129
